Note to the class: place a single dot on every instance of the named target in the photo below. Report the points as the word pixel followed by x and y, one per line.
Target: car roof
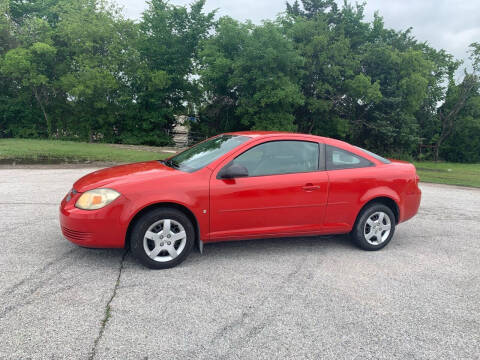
pixel 262 133
pixel 267 134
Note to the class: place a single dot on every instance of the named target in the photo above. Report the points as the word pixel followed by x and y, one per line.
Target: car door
pixel 284 193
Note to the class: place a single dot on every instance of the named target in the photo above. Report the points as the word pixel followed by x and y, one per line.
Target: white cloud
pixel 451 25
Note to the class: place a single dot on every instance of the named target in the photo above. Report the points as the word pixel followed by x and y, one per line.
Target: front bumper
pixel 102 228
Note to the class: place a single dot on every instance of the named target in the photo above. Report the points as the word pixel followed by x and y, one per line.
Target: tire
pixel 370 229
pixel 162 238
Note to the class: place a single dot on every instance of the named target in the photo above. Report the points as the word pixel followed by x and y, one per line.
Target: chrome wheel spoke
pixel 369 235
pixel 178 236
pixel 154 253
pixel 370 222
pixel 166 227
pixel 381 216
pixel 151 235
pixel 173 253
pixel 386 227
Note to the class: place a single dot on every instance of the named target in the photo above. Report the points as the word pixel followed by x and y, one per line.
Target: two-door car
pixel 241 185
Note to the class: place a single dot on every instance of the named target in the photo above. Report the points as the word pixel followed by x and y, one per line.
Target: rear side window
pixel 280 157
pixel 338 159
pixel 375 156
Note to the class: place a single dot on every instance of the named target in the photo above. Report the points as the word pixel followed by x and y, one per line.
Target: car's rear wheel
pixel 374 227
pixel 162 238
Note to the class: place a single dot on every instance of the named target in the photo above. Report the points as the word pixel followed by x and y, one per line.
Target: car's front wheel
pixel 374 227
pixel 162 238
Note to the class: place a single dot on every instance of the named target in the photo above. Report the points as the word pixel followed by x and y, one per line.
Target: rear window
pixel 375 156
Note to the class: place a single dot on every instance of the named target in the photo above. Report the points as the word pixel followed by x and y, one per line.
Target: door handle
pixel 311 187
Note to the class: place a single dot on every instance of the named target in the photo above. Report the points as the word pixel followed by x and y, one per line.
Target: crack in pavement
pixel 40 271
pixel 239 323
pixel 108 309
pixel 28 286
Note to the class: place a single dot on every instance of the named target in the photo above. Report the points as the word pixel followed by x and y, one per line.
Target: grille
pixel 76 235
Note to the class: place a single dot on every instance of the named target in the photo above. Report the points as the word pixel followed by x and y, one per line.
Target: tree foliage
pixel 249 77
pixel 79 70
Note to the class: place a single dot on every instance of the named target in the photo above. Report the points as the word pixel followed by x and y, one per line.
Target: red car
pixel 241 185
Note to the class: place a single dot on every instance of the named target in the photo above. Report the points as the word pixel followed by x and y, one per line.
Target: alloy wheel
pixel 377 228
pixel 164 240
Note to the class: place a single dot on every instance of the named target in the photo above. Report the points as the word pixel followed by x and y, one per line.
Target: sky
pixel 445 24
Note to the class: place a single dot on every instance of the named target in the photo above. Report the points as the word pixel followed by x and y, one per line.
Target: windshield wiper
pixel 170 163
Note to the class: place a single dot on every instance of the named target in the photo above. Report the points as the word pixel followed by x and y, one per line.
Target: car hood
pixel 124 173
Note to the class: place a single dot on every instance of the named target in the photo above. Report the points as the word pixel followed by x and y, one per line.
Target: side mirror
pixel 233 171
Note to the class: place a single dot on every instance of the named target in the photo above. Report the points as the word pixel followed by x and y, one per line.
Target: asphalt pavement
pixel 302 298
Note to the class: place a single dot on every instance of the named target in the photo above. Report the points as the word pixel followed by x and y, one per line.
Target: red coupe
pixel 241 185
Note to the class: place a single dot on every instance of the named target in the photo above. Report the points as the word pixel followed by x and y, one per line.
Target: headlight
pixel 96 199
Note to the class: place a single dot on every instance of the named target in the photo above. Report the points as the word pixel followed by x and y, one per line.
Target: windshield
pixel 205 152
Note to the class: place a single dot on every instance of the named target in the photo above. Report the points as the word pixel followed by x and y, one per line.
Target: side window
pixel 341 159
pixel 280 157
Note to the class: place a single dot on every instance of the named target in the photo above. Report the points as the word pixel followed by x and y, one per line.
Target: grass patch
pixel 449 173
pixel 23 151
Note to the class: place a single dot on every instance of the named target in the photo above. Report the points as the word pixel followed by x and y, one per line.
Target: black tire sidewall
pixel 144 222
pixel 357 233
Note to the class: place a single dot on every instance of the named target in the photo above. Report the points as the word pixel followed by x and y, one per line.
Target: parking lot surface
pixel 312 298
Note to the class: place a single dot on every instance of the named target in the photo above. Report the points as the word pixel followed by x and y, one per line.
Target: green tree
pixel 332 80
pixel 91 81
pixel 264 75
pixel 391 125
pixel 361 82
pixel 30 68
pixel 249 74
pixel 168 46
pixel 464 143
pixel 6 36
pixel 217 58
pixel 451 113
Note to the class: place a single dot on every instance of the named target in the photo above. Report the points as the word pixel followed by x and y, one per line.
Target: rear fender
pixel 381 192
